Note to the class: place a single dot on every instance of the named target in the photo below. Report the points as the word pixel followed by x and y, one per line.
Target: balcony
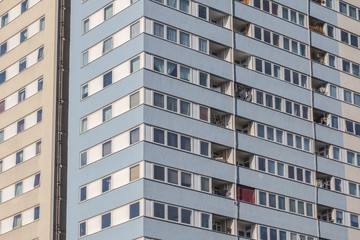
pixel 245 159
pixel 323 181
pixel 221 153
pixel 219 18
pixel 220 119
pixel 243 125
pixel 321 117
pixel 325 213
pixel 222 188
pixel 242 27
pixel 319 86
pixel 318 55
pixel 220 85
pixel 246 229
pixel 243 92
pixel 317 26
pixel 322 149
pixel 222 224
pixel 243 59
pixel 220 51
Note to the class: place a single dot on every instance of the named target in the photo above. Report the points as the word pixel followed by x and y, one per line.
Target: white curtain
pixel 184 39
pixel 184 5
pixel 171 69
pixel 185 73
pixel 202 45
pixel 18 188
pixel 17 221
pixel 158 65
pixel 171 3
pixel 158 30
pixel 171 34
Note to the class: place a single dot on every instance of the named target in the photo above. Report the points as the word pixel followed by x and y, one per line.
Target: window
pixel 83 193
pixel 107 45
pixel 107 113
pixel 355 70
pixel 280 169
pixel 39 116
pixel 270 133
pixel 19 157
pixel 294 47
pixel 266 5
pixel 354 221
pixel 203 79
pixel 42 23
pixel 106 184
pixel 134 173
pixel 339 217
pixel 354 41
pixel 296 78
pixel 258 65
pixel 274 9
pixel 2 106
pixel 263 233
pixel 307 144
pixel 298 142
pixel 159 173
pixel 82 229
pixel 171 34
pixel 84 91
pixel 173 176
pixel 204 148
pixel 205 219
pixel 3 48
pixel 159 65
pixel 106 148
pixel 272 200
pixel 262 164
pixel 257 33
pixel 350 157
pixel 276 40
pixel 271 166
pixel 268 68
pixel 202 45
pixel 291 173
pixel 349 126
pixel 205 184
pixel 40 53
pixel 23 35
pixel 159 136
pixel 106 220
pixel 276 71
pixel 134 135
pixel 158 100
pixel 184 39
pixel 330 31
pixel 346 66
pixel 338 185
pixel 85 58
pixel 186 216
pixel 171 69
pixel 292 205
pixel 20 125
pixel 286 43
pixel 293 16
pixel 282 235
pixel 4 20
pixel 36 213
pixel 1 135
pixel 285 13
pixel 185 143
pixel 108 12
pixel 302 50
pixel 184 5
pixel 86 25
pixel 352 12
pixel 307 176
pixel 158 30
pixel 301 207
pixel 22 65
pixel 134 29
pixel 344 37
pixel 343 8
pixel 352 189
pixel 262 198
pixel 171 104
pixel 17 221
pixel 134 100
pixel 172 139
pixel 301 19
pixel 185 179
pixel 202 12
pixel 24 6
pixel 134 210
pixel 281 202
pixel 204 113
pixel 257 4
pixel 185 108
pixel 269 100
pixel 173 213
pixel 347 96
pixel 38 148
pixel 40 84
pixel 159 210
pixel 21 95
pixel 18 188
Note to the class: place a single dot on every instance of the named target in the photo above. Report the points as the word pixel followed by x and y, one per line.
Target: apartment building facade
pixel 214 120
pixel 32 71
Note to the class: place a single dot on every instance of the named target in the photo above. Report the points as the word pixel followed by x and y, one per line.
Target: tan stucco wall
pixel 45 99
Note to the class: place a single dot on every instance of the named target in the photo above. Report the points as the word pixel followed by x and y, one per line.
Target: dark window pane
pixel 185 143
pixel 159 136
pixel 159 173
pixel 172 139
pixel 262 163
pixel 173 213
pixel 185 179
pixel 159 210
pixel 134 210
pixel 105 220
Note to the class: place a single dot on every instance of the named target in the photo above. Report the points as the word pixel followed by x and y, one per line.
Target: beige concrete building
pixel 33 74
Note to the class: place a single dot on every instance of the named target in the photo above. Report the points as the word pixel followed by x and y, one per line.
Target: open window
pixel 222 224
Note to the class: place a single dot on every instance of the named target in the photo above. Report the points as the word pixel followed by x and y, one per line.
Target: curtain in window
pixel 158 65
pixel 297 109
pixel 85 91
pixel 171 3
pixel 203 113
pixel 184 39
pixel 171 34
pixel 301 20
pixel 184 74
pixel 334 122
pixel 158 30
pixel 202 45
pixel 18 188
pixel 172 69
pixel 305 112
pixel 184 5
pixel 17 221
